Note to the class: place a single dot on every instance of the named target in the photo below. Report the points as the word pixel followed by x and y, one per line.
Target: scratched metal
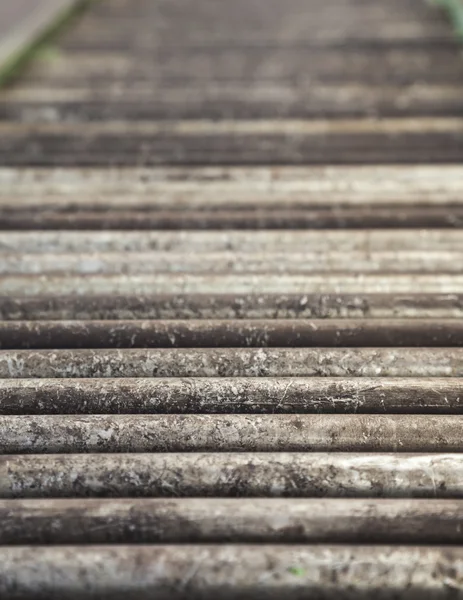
pixel 225 474
pixel 231 333
pixel 231 305
pixel 361 240
pixel 229 395
pixel 135 263
pixel 66 434
pixel 221 520
pixel 334 282
pixel 232 362
pixel 206 572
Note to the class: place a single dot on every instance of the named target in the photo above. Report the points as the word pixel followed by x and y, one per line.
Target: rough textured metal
pixel 231 395
pixel 231 306
pixel 213 188
pixel 238 520
pixel 342 99
pixel 242 142
pixel 182 325
pixel 248 572
pixel 230 262
pixel 230 333
pixel 232 241
pixel 280 474
pixel 198 283
pixel 109 219
pixel 56 434
pixel 233 362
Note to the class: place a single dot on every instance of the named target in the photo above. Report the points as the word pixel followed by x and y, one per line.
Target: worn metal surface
pixel 214 520
pixel 213 188
pixel 253 474
pixel 231 333
pixel 231 302
pixel 392 216
pixel 228 262
pixel 248 572
pixel 231 395
pixel 227 433
pixel 413 184
pixel 426 139
pixel 165 73
pixel 233 362
pixel 235 241
pixel 231 306
pixel 242 283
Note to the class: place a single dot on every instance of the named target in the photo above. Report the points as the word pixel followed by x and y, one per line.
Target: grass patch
pixel 47 53
pixel 297 571
pixel 41 46
pixel 454 9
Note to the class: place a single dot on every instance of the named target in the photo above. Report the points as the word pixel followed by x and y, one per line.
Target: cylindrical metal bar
pixel 208 572
pixel 229 141
pixel 230 333
pixel 268 283
pixel 216 187
pixel 253 474
pixel 142 263
pixel 232 362
pixel 221 520
pixel 237 129
pixel 394 216
pixel 227 433
pixel 231 395
pixel 232 306
pixel 231 241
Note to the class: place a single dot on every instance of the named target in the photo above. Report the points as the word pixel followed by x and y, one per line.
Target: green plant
pixel 297 571
pixel 454 9
pixel 39 46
